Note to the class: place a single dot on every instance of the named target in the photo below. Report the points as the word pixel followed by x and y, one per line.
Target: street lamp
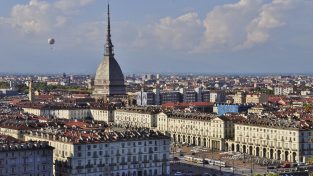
pixel 251 166
pixel 220 158
pixel 233 166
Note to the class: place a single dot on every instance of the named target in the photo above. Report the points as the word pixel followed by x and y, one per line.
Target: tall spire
pixel 108 45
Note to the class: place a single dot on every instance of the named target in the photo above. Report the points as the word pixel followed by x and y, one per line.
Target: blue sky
pixel 216 36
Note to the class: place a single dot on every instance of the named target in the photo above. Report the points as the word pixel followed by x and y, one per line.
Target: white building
pixel 97 113
pixel 197 129
pixel 58 112
pixel 283 90
pixel 109 153
pixel 136 116
pixel 217 97
pixel 25 158
pixel 272 139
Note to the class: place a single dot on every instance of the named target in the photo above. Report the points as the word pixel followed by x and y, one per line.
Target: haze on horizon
pixel 217 36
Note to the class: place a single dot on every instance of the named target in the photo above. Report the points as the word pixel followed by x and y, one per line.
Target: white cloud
pixel 176 33
pixel 30 17
pixel 40 16
pixel 271 16
pixel 71 4
pixel 227 27
pixel 224 25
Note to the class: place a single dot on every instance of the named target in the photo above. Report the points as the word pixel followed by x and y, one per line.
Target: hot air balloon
pixel 51 42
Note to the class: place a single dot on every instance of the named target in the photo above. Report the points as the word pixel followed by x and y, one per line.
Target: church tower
pixel 109 79
pixel 30 90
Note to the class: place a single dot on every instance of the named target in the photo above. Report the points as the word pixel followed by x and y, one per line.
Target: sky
pixel 164 36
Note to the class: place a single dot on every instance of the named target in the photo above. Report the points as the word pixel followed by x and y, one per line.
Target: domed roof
pixel 110 71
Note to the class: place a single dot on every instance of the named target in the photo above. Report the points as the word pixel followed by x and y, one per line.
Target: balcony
pixel 101 165
pixel 79 167
pixel 89 166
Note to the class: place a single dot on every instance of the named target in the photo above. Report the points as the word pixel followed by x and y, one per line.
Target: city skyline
pixel 235 36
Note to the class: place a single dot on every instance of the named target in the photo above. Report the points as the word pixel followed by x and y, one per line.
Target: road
pixel 195 169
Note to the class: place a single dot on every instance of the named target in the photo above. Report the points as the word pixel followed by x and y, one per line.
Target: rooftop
pixel 107 135
pixel 8 143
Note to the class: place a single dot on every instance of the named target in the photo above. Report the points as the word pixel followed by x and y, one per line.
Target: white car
pixel 178 174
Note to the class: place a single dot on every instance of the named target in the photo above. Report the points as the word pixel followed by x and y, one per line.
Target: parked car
pixel 178 174
pixel 286 165
pixel 176 158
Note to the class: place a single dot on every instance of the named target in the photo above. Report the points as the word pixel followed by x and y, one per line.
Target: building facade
pixel 217 97
pixel 239 98
pixel 283 90
pixel 257 98
pixel 133 153
pixel 196 129
pixel 136 117
pixel 272 142
pixel 145 98
pixel 25 158
pixel 170 96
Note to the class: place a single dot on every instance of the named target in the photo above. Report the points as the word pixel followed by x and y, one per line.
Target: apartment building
pixel 25 158
pixel 112 152
pixel 272 138
pixel 198 129
pixel 137 116
pixel 257 98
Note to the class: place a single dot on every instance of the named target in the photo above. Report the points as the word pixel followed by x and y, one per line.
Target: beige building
pixel 197 129
pixel 110 153
pixel 136 117
pixel 101 114
pixel 257 98
pixel 256 110
pixel 14 132
pixel 59 112
pixel 239 98
pixel 280 141
pixel 97 113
